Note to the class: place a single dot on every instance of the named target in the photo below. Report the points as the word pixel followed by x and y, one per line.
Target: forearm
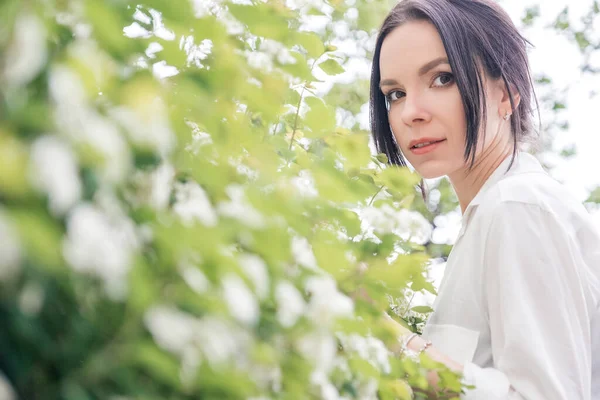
pixel 415 345
pixel 433 378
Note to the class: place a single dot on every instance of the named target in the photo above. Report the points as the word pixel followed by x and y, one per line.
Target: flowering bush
pixel 183 215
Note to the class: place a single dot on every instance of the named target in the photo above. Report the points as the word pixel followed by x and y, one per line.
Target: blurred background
pixel 191 206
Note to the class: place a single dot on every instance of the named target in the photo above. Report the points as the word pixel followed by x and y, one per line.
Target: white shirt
pixel 518 305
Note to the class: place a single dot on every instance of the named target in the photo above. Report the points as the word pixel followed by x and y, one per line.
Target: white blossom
pixel 240 301
pixel 10 249
pixel 161 185
pixel 203 8
pixel 152 49
pixel 135 30
pixel 303 253
pixel 320 348
pixel 264 56
pixel 290 303
pixel 243 169
pixel 192 203
pixel 305 184
pixel 162 70
pixel 256 270
pixel 158 27
pixel 147 124
pixel 409 225
pixel 173 330
pixel 194 277
pixel 82 124
pixel 217 340
pixel 268 377
pixel 196 53
pixel 326 302
pixel 27 53
pixel 55 172
pixel 238 208
pixel 368 348
pixel 102 245
pixel 199 138
pixel 222 341
pixel 328 391
pixel 368 390
pixel 140 16
pixel 6 390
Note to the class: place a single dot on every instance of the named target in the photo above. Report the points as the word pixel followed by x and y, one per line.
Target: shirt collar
pixel 524 163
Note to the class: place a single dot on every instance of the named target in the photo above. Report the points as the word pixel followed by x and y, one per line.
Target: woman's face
pixel 424 100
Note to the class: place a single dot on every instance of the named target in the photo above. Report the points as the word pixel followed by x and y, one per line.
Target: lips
pixel 426 146
pixel 415 144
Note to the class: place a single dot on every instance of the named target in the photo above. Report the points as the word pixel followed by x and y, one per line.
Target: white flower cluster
pixel 27 53
pixel 83 125
pixel 55 171
pixel 409 225
pixel 239 208
pixel 326 302
pixel 147 125
pixel 199 138
pixel 192 204
pixel 290 303
pixel 215 339
pixel 135 30
pixel 368 348
pixel 303 253
pixel 305 184
pixel 240 300
pixel 269 50
pixel 101 243
pixel 196 53
pixel 204 8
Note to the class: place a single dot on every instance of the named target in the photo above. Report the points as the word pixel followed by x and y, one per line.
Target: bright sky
pixel 556 57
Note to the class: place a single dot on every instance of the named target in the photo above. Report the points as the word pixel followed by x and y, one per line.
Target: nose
pixel 414 111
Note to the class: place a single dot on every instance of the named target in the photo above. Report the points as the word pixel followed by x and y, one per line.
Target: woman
pixel 518 308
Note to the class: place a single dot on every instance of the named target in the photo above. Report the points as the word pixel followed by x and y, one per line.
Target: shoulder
pixel 530 206
pixel 531 194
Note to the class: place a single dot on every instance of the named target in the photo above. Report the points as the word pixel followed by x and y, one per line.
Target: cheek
pixel 399 129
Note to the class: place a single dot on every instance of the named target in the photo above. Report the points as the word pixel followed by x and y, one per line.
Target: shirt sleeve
pixel 535 303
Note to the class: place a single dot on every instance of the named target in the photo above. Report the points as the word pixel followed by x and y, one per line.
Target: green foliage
pixel 181 215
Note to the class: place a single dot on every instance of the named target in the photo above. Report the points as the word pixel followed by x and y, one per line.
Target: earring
pixel 507 116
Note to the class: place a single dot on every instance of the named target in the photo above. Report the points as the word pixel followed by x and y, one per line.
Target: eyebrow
pixel 422 71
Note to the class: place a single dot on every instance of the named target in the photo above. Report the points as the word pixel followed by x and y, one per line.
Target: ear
pixel 504 104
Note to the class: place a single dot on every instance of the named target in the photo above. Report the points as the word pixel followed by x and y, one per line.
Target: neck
pixel 467 182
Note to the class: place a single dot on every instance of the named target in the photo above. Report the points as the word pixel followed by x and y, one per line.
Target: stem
pixel 408 305
pixel 296 118
pixel 300 103
pixel 375 195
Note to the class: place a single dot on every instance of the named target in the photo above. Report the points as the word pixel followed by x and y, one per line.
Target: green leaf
pixel 320 119
pixel 594 196
pixel 312 43
pixel 558 106
pixel 262 19
pixel 398 179
pixel 331 67
pixel 422 309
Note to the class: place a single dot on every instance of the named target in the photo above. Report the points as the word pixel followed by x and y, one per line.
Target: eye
pixel 444 79
pixel 394 96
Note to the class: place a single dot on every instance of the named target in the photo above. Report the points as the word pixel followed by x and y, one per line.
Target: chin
pixel 431 174
pixel 431 170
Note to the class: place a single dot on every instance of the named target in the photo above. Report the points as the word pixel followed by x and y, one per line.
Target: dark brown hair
pixel 475 33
